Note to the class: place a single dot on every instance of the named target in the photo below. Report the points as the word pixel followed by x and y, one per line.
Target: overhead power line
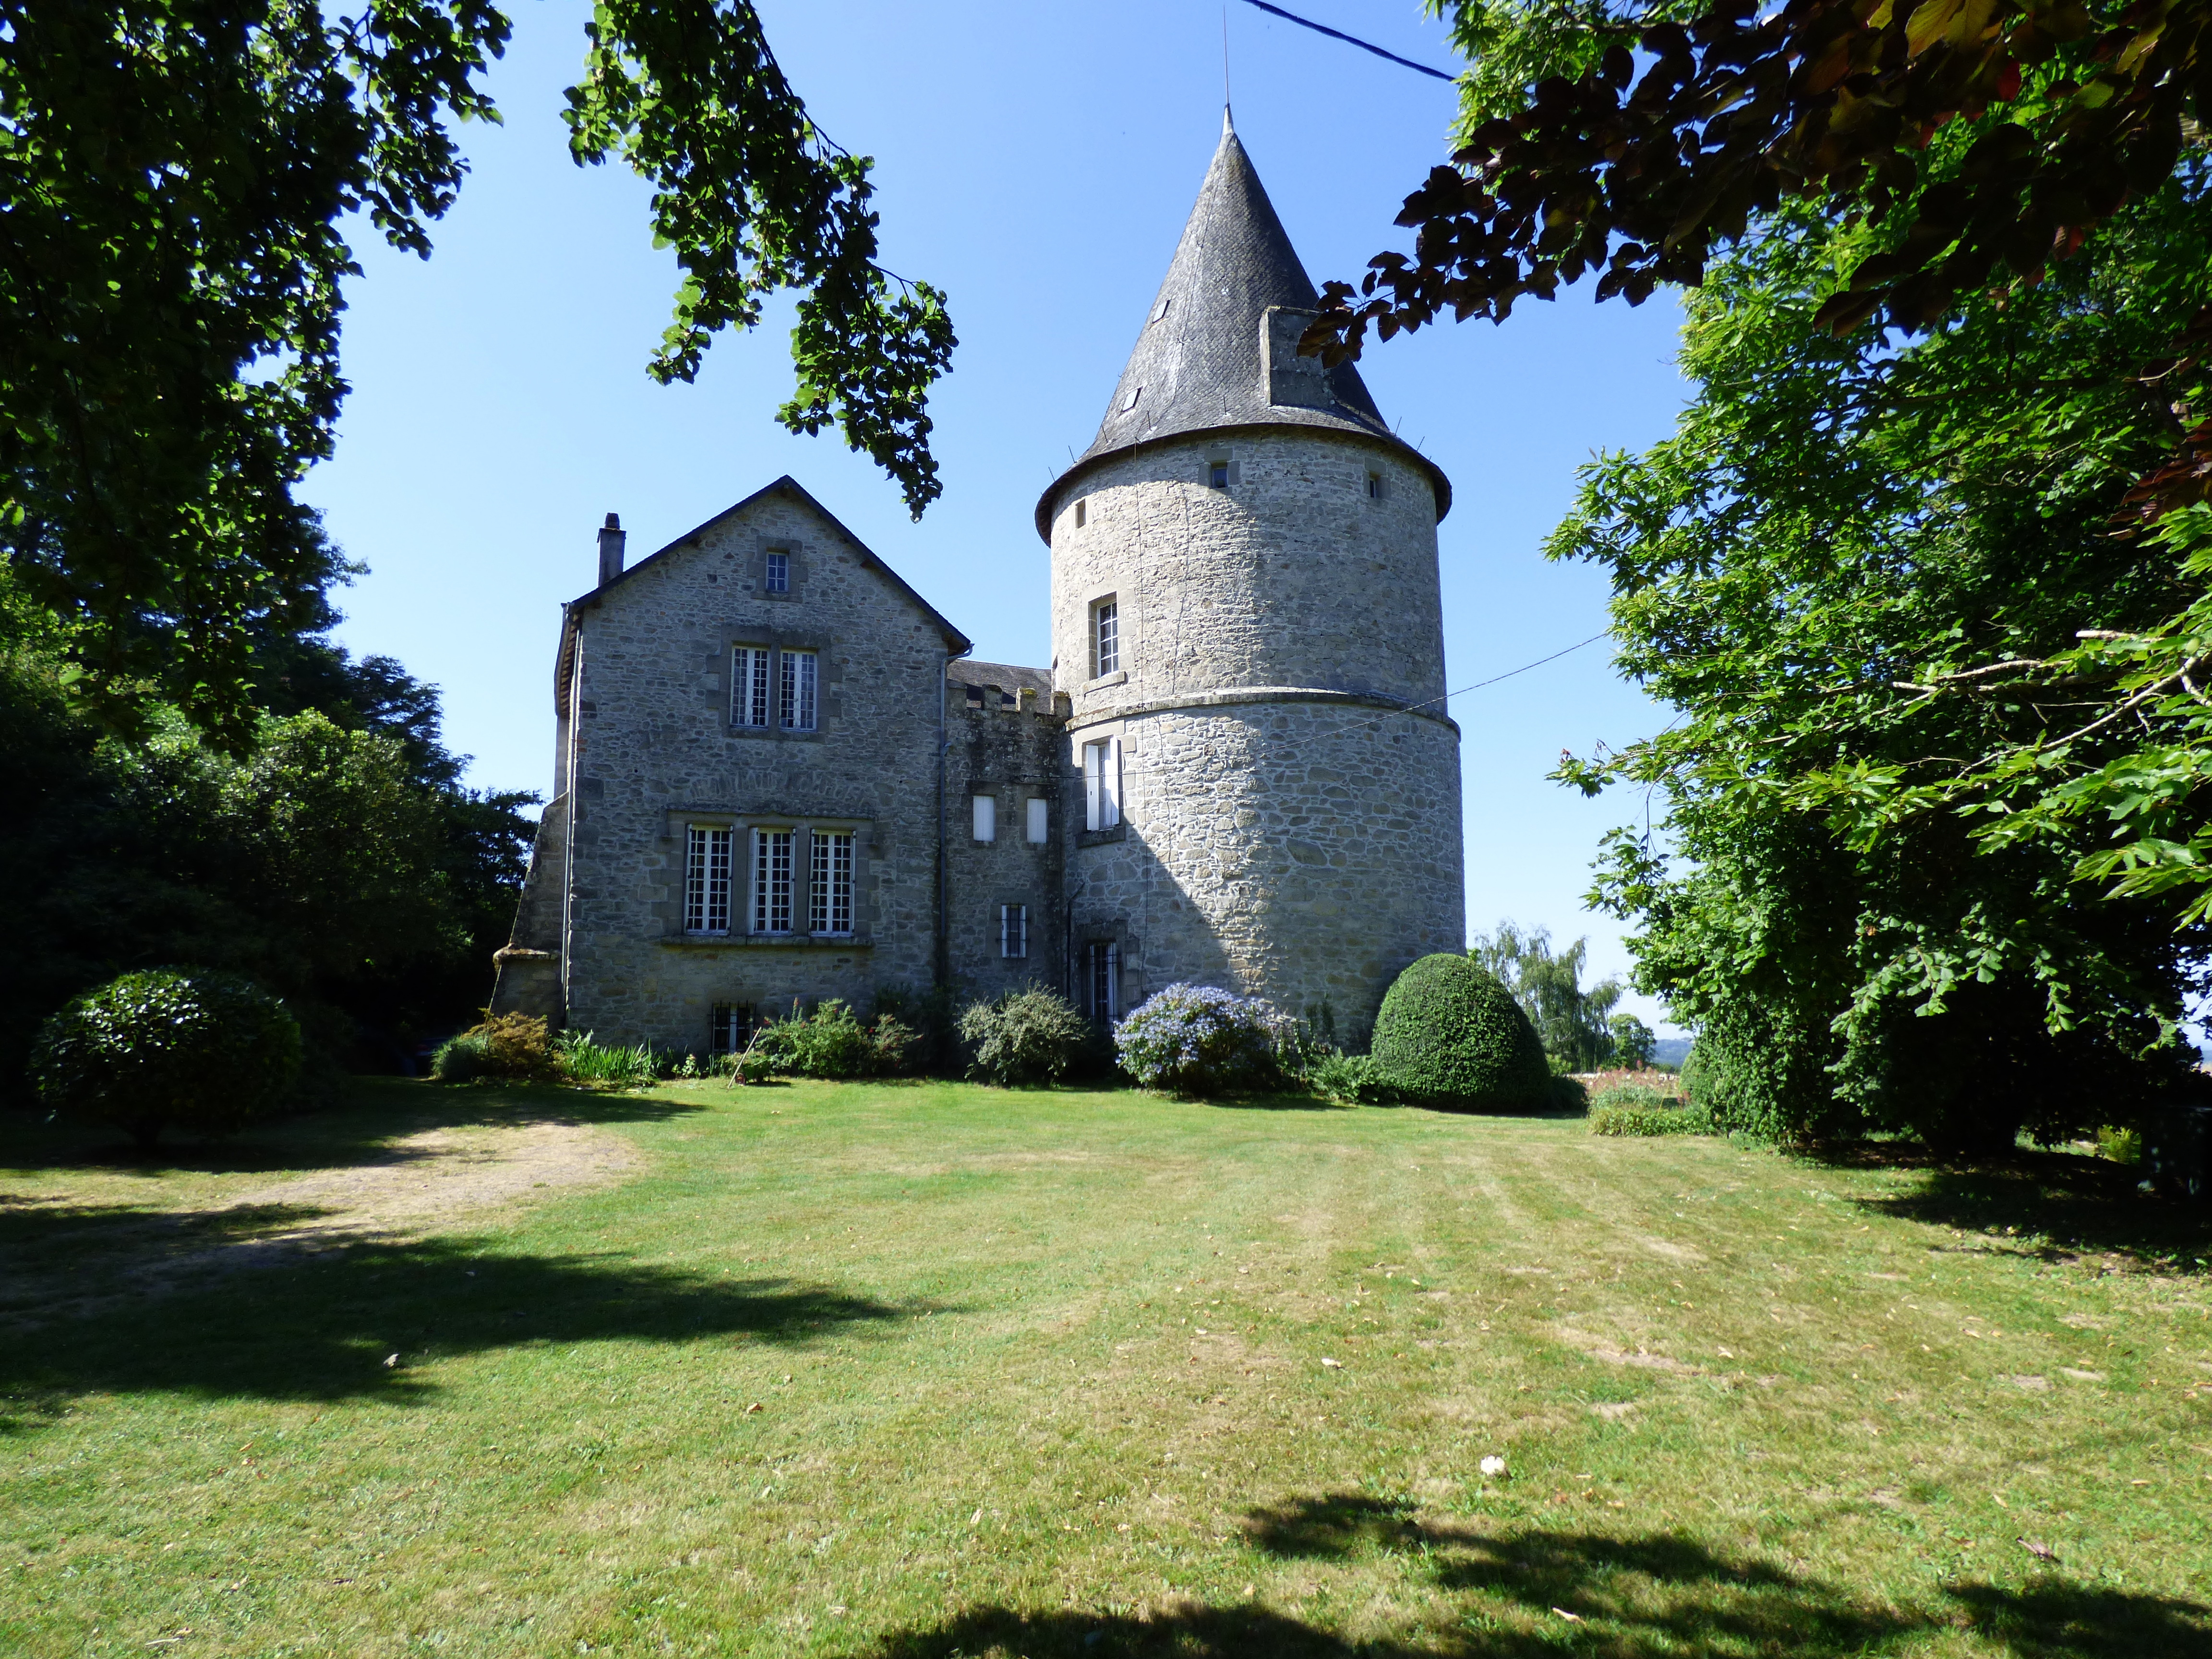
pixel 1349 39
pixel 1510 672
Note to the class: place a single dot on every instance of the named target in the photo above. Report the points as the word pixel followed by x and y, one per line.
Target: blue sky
pixel 1037 162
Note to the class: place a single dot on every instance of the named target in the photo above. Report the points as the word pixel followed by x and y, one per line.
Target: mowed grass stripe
pixel 929 1369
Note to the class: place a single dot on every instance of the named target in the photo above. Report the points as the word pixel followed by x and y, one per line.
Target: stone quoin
pixel 779 778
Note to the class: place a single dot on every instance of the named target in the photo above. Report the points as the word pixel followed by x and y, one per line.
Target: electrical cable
pixel 1349 39
pixel 1510 672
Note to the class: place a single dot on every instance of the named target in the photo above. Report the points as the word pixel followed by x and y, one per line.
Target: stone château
pixel 779 777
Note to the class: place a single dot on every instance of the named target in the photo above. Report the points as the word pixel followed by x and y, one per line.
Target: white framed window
pixel 800 672
pixel 778 573
pixel 829 893
pixel 1102 989
pixel 772 881
pixel 1105 637
pixel 1013 930
pixel 749 671
pixel 1040 826
pixel 987 817
pixel 1101 784
pixel 729 1028
pixel 705 879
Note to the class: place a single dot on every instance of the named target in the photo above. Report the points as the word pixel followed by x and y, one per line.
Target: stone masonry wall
pixel 655 749
pixel 1014 753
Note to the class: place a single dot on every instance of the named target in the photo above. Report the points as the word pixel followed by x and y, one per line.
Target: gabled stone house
pixel 778 778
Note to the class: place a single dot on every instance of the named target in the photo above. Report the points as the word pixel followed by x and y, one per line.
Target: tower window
pixel 801 671
pixel 1105 637
pixel 1130 402
pixel 1374 486
pixel 1217 475
pixel 1082 514
pixel 707 879
pixel 1013 930
pixel 987 817
pixel 1101 784
pixel 778 573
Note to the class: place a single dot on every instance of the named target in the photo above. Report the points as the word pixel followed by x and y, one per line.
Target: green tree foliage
pixel 175 176
pixel 338 862
pixel 1032 1036
pixel 1846 570
pixel 1569 1020
pixel 206 1052
pixel 1635 1044
pixel 1451 1034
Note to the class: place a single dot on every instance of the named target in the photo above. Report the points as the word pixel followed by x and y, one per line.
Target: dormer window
pixel 778 573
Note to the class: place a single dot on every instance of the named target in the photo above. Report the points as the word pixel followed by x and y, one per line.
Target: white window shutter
pixel 1093 777
pixel 1112 783
pixel 987 817
pixel 1040 827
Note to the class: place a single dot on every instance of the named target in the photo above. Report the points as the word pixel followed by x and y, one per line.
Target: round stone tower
pixel 1247 620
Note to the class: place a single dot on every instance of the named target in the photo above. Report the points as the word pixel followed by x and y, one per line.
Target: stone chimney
pixel 611 539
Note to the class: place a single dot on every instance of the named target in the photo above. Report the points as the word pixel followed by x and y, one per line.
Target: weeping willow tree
pixel 1546 981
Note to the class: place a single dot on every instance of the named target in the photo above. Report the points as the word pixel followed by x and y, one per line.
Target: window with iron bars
pixel 1013 930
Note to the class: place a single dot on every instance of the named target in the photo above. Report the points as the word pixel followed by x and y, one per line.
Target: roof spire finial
pixel 1227 125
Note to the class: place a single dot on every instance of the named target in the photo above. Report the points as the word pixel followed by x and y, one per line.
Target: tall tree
pixel 1571 1018
pixel 176 177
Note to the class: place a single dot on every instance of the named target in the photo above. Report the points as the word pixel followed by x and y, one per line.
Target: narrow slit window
pixel 1013 931
pixel 1106 636
pixel 778 573
pixel 829 906
pixel 772 881
pixel 1374 486
pixel 749 674
pixel 1040 821
pixel 1082 514
pixel 707 879
pixel 1103 991
pixel 801 670
pixel 987 817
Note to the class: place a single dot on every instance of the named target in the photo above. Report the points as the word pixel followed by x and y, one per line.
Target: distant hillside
pixel 1672 1051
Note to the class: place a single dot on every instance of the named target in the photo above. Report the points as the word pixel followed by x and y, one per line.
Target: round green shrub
pixel 206 1052
pixel 1450 1034
pixel 1032 1036
pixel 462 1059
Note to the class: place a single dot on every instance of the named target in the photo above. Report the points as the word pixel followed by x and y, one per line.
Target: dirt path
pixel 415 1185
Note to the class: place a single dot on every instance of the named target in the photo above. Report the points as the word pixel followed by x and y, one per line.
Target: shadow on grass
pixel 2057 1205
pixel 376 1112
pixel 317 1318
pixel 1636 1597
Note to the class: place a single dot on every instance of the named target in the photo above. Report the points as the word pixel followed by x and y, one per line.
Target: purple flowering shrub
pixel 1197 1040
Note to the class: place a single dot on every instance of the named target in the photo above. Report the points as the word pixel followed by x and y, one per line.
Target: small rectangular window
pixel 1040 826
pixel 1217 475
pixel 1106 636
pixel 778 573
pixel 1374 486
pixel 749 669
pixel 730 1028
pixel 799 671
pixel 1101 784
pixel 1013 930
pixel 987 817
pixel 829 905
pixel 1082 514
pixel 1103 979
pixel 772 881
pixel 705 879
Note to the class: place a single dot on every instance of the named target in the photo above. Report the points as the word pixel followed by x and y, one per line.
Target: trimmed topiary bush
pixel 1195 1040
pixel 1449 1035
pixel 202 1051
pixel 1028 1037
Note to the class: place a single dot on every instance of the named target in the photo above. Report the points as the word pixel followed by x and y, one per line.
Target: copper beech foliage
pixel 1639 178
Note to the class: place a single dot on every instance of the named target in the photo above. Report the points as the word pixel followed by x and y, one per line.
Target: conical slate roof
pixel 1201 363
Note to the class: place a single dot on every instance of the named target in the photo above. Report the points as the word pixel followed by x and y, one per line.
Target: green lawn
pixel 931 1370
